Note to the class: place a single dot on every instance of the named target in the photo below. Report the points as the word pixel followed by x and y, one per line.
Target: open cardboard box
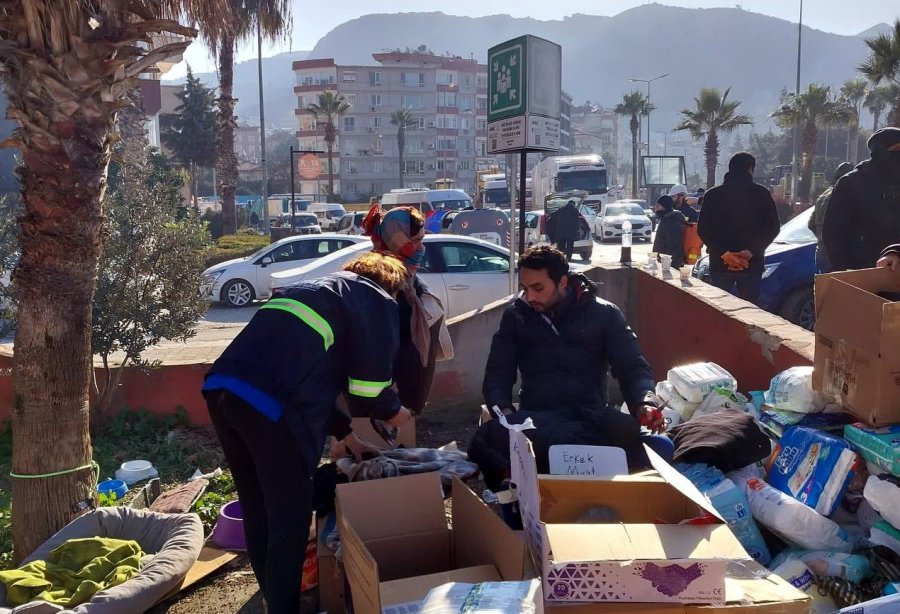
pixel 858 343
pixel 646 557
pixel 397 546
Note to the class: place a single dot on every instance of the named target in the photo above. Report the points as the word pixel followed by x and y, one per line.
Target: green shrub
pixel 234 246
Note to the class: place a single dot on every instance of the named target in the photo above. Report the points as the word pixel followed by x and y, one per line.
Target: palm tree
pixel 633 105
pixel 713 114
pixel 403 119
pixel 878 99
pixel 68 67
pixel 854 92
pixel 883 64
pixel 274 19
pixel 811 110
pixel 328 110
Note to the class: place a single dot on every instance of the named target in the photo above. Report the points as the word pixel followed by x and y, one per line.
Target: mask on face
pixel 416 258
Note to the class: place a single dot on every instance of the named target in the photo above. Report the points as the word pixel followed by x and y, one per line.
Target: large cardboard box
pixel 646 557
pixel 750 588
pixel 396 545
pixel 858 343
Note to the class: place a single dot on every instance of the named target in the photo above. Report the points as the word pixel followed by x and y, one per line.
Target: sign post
pixel 524 86
pixel 309 168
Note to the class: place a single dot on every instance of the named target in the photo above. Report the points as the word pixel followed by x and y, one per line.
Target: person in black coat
pixel 863 214
pixel 669 238
pixel 737 223
pixel 564 341
pixel 563 228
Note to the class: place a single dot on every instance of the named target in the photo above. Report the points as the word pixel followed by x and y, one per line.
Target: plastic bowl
pixel 135 471
pixel 229 531
pixel 110 488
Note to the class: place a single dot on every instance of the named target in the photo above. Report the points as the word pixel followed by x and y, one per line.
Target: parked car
pixel 351 223
pixel 464 272
pixel 613 216
pixel 787 285
pixel 304 223
pixel 328 214
pixel 239 282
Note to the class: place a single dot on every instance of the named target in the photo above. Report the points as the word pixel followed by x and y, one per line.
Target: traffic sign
pixel 507 81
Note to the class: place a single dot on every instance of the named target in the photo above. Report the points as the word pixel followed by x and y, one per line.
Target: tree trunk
pixel 63 182
pixel 810 137
pixel 876 115
pixel 712 157
pixel 192 181
pixel 401 145
pixel 634 156
pixel 854 139
pixel 226 160
pixel 894 117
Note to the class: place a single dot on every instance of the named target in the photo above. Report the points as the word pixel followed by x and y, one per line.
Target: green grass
pixel 174 447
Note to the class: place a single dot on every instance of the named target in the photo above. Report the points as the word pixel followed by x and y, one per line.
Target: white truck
pixel 563 173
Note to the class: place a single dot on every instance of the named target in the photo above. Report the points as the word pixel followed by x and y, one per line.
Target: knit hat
pixel 678 189
pixel 886 139
pixel 666 202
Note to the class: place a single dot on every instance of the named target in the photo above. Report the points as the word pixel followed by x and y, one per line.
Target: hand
pixel 401 417
pixel 746 254
pixel 359 446
pixel 890 261
pixel 652 418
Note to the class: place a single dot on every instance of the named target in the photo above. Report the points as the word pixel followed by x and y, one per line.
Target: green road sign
pixel 507 79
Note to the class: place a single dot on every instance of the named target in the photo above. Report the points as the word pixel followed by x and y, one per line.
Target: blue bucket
pixel 112 489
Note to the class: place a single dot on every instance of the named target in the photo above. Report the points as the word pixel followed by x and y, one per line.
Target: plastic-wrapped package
pixel 777 421
pixel 791 390
pixel 884 534
pixel 693 382
pixel 793 521
pixel 797 574
pixel 883 605
pixel 813 467
pixel 668 395
pixel 879 446
pixel 884 497
pixel 719 399
pixel 853 567
pixel 487 597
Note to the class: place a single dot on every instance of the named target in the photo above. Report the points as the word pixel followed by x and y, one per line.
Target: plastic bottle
pixel 626 243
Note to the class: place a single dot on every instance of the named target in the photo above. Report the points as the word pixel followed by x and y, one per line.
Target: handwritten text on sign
pixel 598 461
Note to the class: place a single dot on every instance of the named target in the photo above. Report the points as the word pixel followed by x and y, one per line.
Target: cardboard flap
pixel 361 569
pixel 575 543
pixel 481 537
pixel 395 506
pixel 680 483
pixel 856 313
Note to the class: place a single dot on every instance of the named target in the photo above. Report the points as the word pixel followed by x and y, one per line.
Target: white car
pixel 465 273
pixel 239 282
pixel 613 216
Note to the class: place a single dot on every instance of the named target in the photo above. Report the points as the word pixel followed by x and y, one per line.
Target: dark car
pixel 787 286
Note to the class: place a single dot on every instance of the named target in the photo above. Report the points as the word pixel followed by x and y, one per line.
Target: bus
pixel 564 173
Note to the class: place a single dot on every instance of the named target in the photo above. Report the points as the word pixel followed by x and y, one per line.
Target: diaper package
pixel 879 446
pixel 792 390
pixel 693 382
pixel 670 397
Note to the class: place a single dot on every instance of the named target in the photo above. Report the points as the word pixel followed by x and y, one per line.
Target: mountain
pixel 720 47
pixel 881 28
pixel 278 89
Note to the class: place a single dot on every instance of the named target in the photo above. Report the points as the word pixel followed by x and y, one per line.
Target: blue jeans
pixel 743 284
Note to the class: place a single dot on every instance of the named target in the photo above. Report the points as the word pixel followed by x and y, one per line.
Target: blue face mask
pixel 417 257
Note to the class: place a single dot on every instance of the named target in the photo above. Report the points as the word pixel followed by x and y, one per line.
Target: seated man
pixel 564 340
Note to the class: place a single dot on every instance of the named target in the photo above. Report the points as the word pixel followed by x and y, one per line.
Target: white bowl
pixel 135 471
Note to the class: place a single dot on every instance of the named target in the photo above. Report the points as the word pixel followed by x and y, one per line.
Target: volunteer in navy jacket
pixel 271 395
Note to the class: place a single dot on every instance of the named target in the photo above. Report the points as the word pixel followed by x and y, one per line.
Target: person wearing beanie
pixel 863 215
pixel 669 238
pixel 817 219
pixel 679 196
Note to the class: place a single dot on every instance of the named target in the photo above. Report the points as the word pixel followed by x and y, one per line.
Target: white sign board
pixel 507 134
pixel 596 461
pixel 543 132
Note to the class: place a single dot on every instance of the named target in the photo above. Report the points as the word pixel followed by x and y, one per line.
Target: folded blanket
pixel 405 461
pixel 74 572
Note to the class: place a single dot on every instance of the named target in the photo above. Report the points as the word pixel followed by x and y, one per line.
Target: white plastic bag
pixel 884 497
pixel 793 521
pixel 668 395
pixel 791 390
pixel 719 399
pixel 695 381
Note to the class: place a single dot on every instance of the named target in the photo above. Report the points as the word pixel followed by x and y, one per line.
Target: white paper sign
pixel 597 461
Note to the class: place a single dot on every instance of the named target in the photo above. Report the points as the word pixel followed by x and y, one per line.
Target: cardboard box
pixel 331 574
pixel 646 557
pixel 406 436
pixel 858 343
pixel 750 588
pixel 396 544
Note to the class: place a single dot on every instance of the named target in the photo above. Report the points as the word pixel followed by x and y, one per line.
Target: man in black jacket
pixel 562 228
pixel 669 238
pixel 737 223
pixel 564 341
pixel 863 214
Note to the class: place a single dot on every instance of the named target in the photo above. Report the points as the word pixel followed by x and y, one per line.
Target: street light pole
pixel 648 82
pixel 264 188
pixel 795 169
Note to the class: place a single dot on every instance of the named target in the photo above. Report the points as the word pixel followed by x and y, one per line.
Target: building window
pixel 466 146
pixel 351 187
pixel 375 78
pixel 375 122
pixel 446 121
pixel 481 81
pixel 412 79
pixel 481 124
pixel 413 101
pixel 377 166
pixel 465 123
pixel 414 167
pixel 349 124
pixel 446 165
pixel 467 80
pixel 414 146
pixel 481 148
pixel 463 165
pixel 466 103
pixel 348 76
pixel 350 167
pixel 375 101
pixel 420 125
pixel 446 99
pixel 481 104
pixel 351 99
pixel 377 188
pixel 447 144
pixel 445 78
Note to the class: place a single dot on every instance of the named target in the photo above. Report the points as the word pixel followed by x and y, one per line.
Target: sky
pixel 313 20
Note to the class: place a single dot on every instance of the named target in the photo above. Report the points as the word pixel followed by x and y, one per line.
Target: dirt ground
pixel 233 589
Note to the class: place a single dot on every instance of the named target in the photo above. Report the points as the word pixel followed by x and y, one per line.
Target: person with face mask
pixel 863 214
pixel 564 341
pixel 669 238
